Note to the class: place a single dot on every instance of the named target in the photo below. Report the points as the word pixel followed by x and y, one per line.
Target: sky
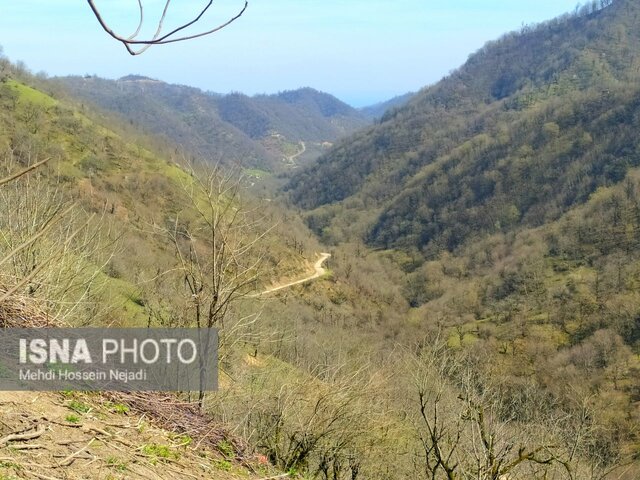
pixel 362 51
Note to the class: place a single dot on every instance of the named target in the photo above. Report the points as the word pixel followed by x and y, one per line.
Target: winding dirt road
pixel 319 271
pixel 292 158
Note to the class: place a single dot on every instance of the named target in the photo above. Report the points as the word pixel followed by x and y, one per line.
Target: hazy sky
pixel 362 51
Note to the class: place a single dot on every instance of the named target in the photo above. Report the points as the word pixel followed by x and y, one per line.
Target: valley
pixel 258 132
pixel 475 310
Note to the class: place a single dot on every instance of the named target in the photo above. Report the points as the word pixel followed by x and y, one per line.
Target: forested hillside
pixel 86 215
pixel 377 111
pixel 507 195
pixel 531 125
pixel 258 132
pixel 106 170
pixel 479 317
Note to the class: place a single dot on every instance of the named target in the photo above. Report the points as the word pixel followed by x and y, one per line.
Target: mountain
pixel 259 132
pixel 305 114
pixel 84 243
pixel 461 345
pixel 509 196
pixel 374 112
pixel 529 127
pixel 95 237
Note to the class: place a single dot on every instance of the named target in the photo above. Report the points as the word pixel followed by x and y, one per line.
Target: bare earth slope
pixel 73 436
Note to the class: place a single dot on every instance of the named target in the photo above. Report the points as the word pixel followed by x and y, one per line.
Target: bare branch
pixel 158 39
pixel 39 268
pixel 35 237
pixel 23 172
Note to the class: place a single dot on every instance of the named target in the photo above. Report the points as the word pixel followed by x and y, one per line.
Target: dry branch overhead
pixel 160 38
pixel 23 172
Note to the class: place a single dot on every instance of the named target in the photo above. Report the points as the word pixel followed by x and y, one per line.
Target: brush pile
pixel 22 312
pixel 182 418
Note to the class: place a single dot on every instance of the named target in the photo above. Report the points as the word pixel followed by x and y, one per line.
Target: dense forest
pixel 530 126
pixel 507 196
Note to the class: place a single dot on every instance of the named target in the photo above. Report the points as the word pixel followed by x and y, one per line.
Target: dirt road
pixel 292 158
pixel 319 271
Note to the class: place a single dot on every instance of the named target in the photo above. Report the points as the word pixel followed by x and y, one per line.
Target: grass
pixel 30 95
pixel 71 418
pixel 256 173
pixel 136 299
pixel 226 448
pixel 119 408
pixel 9 464
pixel 223 465
pixel 182 440
pixel 116 464
pixel 5 477
pixel 79 407
pixel 467 339
pixel 123 294
pixel 173 172
pixel 158 451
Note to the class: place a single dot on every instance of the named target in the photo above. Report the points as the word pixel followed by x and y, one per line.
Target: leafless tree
pixel 320 422
pixel 22 172
pixel 49 259
pixel 177 34
pixel 218 245
pixel 468 426
pixel 463 431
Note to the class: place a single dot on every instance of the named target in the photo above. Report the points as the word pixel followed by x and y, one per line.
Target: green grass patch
pixel 224 465
pixel 116 464
pixel 256 173
pixel 183 440
pixel 71 418
pixel 31 95
pixel 119 408
pixel 79 407
pixel 158 451
pixel 226 449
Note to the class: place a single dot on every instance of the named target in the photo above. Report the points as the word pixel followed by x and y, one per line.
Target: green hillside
pixel 232 128
pixel 377 111
pixel 530 126
pixel 90 231
pixel 114 174
pixel 478 316
pixel 507 197
pixel 120 272
pixel 305 114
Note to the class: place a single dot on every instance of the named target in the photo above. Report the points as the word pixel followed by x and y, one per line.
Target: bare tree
pixel 160 37
pixel 465 430
pixel 467 425
pixel 22 172
pixel 319 422
pixel 47 255
pixel 217 241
